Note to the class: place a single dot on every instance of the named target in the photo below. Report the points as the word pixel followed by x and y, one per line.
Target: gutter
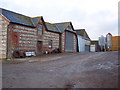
pixel 71 31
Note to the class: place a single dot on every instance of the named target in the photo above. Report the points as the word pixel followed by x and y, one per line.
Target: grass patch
pixel 4 59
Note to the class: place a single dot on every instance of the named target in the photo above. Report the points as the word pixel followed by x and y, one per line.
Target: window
pixel 50 43
pixel 39 29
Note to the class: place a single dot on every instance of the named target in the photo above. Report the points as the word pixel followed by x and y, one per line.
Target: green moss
pixel 23 19
pixel 51 27
pixel 4 59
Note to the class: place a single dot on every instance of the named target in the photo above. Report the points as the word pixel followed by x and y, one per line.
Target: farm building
pixel 94 47
pixel 83 40
pixel 68 40
pixel 115 43
pixel 23 35
pixel 67 35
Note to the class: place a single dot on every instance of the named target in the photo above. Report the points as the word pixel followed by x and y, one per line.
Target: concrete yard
pixel 65 70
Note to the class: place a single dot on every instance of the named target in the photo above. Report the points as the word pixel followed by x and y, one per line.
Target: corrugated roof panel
pixel 83 33
pixel 62 26
pixel 51 27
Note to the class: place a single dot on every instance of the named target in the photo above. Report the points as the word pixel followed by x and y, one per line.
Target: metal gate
pixel 69 42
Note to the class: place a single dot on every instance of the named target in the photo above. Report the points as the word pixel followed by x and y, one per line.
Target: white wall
pixel 92 48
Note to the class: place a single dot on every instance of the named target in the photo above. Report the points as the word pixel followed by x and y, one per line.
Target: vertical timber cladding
pixel 24 38
pixel 47 35
pixel 115 40
pixel 69 42
pixel 3 36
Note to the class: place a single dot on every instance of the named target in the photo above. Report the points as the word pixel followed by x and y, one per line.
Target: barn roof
pixel 58 27
pixel 62 26
pixel 19 18
pixel 51 27
pixel 33 21
pixel 82 33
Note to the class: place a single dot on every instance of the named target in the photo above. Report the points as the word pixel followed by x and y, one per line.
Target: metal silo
pixel 108 41
pixel 102 42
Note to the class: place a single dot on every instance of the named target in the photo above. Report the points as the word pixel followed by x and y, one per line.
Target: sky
pixel 97 17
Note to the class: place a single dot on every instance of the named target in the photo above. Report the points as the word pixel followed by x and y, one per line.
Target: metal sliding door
pixel 69 42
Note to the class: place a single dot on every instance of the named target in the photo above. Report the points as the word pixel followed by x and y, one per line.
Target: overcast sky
pixel 98 17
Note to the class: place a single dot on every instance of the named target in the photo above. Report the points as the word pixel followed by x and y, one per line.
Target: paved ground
pixel 72 70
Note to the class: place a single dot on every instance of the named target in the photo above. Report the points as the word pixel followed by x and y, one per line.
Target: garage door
pixel 87 48
pixel 69 42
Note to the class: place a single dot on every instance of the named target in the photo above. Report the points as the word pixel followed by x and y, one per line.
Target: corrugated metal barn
pixel 83 40
pixel 94 47
pixel 23 35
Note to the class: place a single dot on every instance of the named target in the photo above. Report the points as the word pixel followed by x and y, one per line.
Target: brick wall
pixel 50 36
pixel 75 43
pixel 23 38
pixel 3 36
pixel 63 42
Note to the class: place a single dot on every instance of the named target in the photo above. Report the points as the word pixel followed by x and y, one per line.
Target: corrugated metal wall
pixel 69 42
pixel 87 48
pixel 81 43
pixel 87 45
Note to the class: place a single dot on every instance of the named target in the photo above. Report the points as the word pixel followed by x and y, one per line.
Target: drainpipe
pixel 60 42
pixel 8 27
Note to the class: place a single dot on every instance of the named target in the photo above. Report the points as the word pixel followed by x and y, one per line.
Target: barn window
pixel 39 29
pixel 50 43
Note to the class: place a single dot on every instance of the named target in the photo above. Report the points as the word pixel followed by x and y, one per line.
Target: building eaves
pixel 82 32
